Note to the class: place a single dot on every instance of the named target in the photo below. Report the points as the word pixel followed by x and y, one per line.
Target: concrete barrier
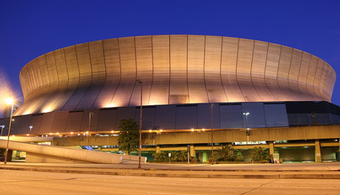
pixel 68 153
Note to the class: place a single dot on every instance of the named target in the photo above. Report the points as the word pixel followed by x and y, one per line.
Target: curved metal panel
pixel 212 69
pixel 174 69
pixel 302 79
pixel 112 73
pixel 283 72
pixel 228 69
pixel 98 74
pixel 258 69
pixel 160 90
pixel 294 72
pixel 196 84
pixel 243 71
pixel 144 70
pixel 310 77
pixel 128 72
pixel 271 72
pixel 317 79
pixel 178 69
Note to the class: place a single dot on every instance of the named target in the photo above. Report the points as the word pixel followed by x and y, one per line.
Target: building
pixel 258 94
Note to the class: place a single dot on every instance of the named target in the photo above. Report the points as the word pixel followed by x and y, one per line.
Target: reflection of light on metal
pixel 47 109
pixel 109 105
pixel 26 113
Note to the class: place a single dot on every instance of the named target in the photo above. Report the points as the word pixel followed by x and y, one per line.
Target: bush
pixel 160 157
pixel 239 158
pixel 224 154
pixel 193 160
pixel 259 154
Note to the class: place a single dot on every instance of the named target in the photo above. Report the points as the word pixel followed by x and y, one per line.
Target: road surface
pixel 27 182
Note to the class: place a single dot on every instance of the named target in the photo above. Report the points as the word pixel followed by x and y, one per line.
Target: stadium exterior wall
pixel 174 69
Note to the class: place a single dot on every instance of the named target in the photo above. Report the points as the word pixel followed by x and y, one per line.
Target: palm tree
pixel 225 153
pixel 181 155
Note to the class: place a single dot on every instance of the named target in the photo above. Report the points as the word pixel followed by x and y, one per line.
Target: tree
pixel 225 153
pixel 128 139
pixel 181 155
pixel 161 156
pixel 259 154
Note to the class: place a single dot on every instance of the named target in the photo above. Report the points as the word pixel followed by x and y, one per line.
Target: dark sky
pixel 30 28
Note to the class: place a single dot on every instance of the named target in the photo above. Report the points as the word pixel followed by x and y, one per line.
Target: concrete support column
pixel 9 155
pixel 339 144
pixel 271 148
pixel 158 149
pixel 317 151
pixel 192 151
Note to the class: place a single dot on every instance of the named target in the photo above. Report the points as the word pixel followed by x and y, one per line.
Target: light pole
pixel 246 114
pixel 88 135
pixel 212 135
pixel 2 128
pixel 247 131
pixel 140 123
pixel 9 101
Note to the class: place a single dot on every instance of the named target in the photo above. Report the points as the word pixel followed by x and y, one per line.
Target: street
pixel 28 182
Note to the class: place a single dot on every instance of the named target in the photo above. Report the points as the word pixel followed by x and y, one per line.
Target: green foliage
pixel 259 154
pixel 181 156
pixel 128 139
pixel 176 156
pixel 161 157
pixel 224 154
pixel 239 158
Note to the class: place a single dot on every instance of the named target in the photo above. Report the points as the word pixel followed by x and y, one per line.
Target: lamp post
pixel 88 135
pixel 140 123
pixel 247 131
pixel 246 114
pixel 9 101
pixel 212 138
pixel 2 128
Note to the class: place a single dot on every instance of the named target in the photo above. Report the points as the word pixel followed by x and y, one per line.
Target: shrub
pixel 259 154
pixel 239 158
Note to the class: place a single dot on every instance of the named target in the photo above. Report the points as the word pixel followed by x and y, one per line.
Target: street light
pixel 88 133
pixel 246 114
pixel 212 138
pixel 2 128
pixel 9 101
pixel 30 127
pixel 140 123
pixel 247 131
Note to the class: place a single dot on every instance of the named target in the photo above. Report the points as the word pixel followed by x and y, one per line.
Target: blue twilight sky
pixel 30 28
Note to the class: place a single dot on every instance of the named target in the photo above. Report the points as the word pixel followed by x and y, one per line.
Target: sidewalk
pixel 251 171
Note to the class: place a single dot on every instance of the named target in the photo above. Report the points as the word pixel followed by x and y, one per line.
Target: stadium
pixel 196 91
